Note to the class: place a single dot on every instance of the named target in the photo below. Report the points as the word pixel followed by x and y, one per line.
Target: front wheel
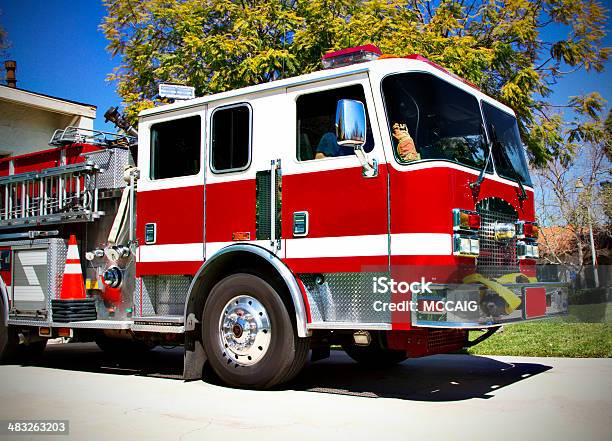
pixel 248 334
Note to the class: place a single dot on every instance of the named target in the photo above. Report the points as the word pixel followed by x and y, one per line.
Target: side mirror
pixel 350 123
pixel 351 132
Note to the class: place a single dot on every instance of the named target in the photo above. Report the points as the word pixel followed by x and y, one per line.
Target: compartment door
pixel 30 280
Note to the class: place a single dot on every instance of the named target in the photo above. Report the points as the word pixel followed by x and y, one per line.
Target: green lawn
pixel 585 332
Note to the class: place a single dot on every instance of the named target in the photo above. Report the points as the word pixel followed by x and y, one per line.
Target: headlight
pixel 466 245
pixel 503 231
pixel 527 250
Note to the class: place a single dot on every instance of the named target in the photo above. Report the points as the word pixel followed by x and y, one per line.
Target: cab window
pixel 231 139
pixel 175 148
pixel 316 123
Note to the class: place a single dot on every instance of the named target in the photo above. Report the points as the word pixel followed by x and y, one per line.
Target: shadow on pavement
pixel 87 357
pixel 449 377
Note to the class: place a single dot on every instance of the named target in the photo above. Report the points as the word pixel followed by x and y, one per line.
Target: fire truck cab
pixel 255 225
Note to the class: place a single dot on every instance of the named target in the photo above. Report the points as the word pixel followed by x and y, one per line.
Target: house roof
pixel 46 102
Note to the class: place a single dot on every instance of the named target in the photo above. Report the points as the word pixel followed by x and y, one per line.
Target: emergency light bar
pixel 352 55
pixel 176 91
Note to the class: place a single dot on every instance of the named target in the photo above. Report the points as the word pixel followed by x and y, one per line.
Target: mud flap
pixel 194 358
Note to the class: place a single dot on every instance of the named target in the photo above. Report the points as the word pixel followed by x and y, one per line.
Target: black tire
pixel 284 354
pixel 376 354
pixel 8 341
pixel 122 347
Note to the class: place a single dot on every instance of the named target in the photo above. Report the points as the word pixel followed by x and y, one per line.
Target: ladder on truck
pixel 61 194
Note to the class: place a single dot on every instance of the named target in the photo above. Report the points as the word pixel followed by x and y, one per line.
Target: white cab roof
pixel 377 69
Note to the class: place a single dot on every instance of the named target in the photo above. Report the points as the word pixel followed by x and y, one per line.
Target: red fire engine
pixel 382 204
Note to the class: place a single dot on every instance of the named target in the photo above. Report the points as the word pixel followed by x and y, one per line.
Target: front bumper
pixel 480 306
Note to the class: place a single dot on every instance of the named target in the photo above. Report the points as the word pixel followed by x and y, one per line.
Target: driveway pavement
pixel 447 397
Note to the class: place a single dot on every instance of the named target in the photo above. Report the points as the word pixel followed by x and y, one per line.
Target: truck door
pixel 230 185
pixel 334 220
pixel 170 198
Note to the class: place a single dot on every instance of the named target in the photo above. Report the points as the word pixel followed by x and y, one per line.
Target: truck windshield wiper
pixel 518 180
pixel 514 174
pixel 476 184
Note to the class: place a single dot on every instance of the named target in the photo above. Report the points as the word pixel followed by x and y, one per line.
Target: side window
pixel 231 139
pixel 175 148
pixel 316 123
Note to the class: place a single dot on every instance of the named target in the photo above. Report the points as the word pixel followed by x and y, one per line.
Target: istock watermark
pixel 426 302
pixel 383 285
pixel 425 305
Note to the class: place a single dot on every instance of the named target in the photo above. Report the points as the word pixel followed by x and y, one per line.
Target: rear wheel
pixel 376 354
pixel 8 341
pixel 12 351
pixel 248 334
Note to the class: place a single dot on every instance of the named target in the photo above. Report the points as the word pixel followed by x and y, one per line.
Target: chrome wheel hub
pixel 244 331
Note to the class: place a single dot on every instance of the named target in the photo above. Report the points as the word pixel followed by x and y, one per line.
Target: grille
pixel 264 205
pixel 440 339
pixel 262 179
pixel 496 258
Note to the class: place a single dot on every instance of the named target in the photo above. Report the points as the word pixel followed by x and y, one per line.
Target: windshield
pixel 508 152
pixel 432 119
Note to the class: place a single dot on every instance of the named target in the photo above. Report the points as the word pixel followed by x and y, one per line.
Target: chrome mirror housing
pixel 351 132
pixel 350 123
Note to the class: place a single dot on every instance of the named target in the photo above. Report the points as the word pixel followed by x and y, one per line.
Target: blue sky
pixel 60 51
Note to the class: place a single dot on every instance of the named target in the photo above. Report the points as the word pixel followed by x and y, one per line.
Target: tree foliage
pixel 504 46
pixel 4 43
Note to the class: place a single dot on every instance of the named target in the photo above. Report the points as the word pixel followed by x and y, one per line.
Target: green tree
pixel 3 40
pixel 4 45
pixel 216 45
pixel 3 37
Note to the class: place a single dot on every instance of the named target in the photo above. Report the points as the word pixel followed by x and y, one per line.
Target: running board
pixel 170 325
pixel 350 325
pixel 159 323
pixel 88 324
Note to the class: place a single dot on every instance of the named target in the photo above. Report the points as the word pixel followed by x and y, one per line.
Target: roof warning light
pixel 352 55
